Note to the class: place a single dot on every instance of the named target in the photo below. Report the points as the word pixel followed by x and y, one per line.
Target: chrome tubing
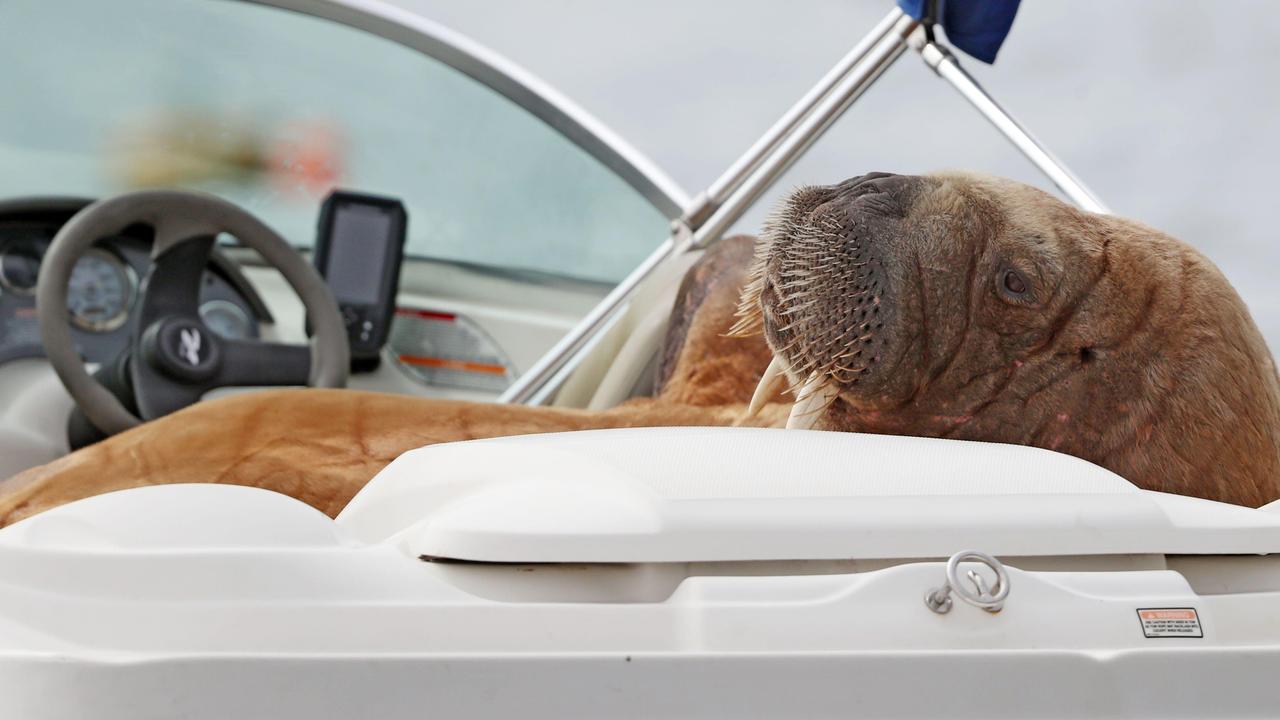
pixel 812 116
pixel 710 200
pixel 808 130
pixel 945 65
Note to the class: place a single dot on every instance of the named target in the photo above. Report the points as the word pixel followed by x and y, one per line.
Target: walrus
pixel 947 305
pixel 961 306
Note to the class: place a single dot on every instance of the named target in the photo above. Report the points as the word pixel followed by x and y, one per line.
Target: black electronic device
pixel 358 251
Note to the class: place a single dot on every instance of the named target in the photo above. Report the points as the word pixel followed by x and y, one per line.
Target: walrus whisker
pixel 796 309
pixel 813 398
pixel 746 327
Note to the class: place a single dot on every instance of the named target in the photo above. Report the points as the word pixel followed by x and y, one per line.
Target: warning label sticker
pixel 1170 622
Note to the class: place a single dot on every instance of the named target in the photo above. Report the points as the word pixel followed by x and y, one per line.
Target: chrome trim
pixel 508 79
pixel 809 128
pixel 130 276
pixel 948 68
pixel 6 283
pixel 235 310
pixel 707 202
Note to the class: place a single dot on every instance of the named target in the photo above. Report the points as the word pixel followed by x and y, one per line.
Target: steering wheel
pixel 173 357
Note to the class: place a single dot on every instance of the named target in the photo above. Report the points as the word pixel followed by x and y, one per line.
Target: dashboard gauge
pixel 19 267
pixel 226 319
pixel 100 291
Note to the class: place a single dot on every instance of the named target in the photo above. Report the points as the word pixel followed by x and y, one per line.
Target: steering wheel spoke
pixel 174 230
pixel 172 283
pixel 248 363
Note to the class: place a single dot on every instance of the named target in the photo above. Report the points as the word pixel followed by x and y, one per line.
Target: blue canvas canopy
pixel 977 27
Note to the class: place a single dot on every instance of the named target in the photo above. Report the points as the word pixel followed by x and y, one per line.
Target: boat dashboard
pixel 458 332
pixel 104 286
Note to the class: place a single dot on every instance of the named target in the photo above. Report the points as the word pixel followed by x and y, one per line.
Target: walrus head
pixel 960 305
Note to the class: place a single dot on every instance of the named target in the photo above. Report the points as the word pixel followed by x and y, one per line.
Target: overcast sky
pixel 1166 108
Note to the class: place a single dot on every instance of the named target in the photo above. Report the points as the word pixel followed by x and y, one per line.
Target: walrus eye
pixel 1014 283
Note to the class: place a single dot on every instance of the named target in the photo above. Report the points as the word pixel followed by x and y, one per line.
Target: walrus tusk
pixel 813 398
pixel 770 385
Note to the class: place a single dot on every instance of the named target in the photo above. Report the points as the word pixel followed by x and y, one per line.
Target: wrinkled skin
pixel 971 307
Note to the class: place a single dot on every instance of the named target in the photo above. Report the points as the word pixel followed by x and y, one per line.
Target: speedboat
pixel 660 572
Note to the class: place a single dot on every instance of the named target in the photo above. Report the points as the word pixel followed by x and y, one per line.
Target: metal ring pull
pixel 989 598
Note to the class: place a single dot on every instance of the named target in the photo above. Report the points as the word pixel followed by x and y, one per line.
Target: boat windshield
pixel 271 109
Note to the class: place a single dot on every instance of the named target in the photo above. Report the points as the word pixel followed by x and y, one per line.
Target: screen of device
pixel 357 252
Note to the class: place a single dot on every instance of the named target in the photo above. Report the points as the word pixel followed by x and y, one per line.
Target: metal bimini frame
pixel 715 210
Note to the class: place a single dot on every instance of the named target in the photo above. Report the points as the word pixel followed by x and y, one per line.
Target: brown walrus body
pixel 971 307
pixel 949 305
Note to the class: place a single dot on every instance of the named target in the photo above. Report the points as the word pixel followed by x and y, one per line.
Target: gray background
pixel 1166 108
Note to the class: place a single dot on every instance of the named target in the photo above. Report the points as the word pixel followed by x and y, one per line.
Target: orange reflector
pixel 450 364
pixel 426 314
